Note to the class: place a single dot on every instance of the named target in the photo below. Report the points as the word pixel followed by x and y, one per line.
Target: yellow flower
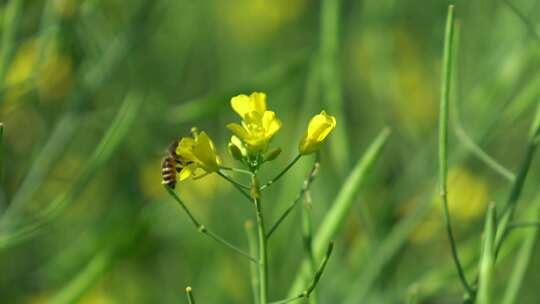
pixel 318 129
pixel 197 152
pixel 258 124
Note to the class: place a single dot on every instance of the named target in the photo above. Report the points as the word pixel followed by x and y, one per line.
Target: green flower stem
pixel 189 294
pixel 238 186
pixel 263 258
pixel 252 243
pixel 515 193
pixel 307 237
pixel 275 179
pixel 306 293
pixel 201 228
pixel 305 187
pixel 232 181
pixel 443 141
pixel 238 170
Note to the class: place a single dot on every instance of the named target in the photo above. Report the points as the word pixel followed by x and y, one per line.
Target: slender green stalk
pixel 307 237
pixel 232 181
pixel 252 243
pixel 337 215
pixel 189 294
pixel 201 228
pixel 515 194
pixel 305 187
pixel 523 259
pixel 487 260
pixel 275 179
pixel 9 29
pixel 261 233
pixel 519 183
pixel 238 170
pixel 236 185
pixel 315 280
pixel 443 141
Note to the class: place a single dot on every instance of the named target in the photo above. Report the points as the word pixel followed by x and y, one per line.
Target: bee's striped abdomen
pixel 168 171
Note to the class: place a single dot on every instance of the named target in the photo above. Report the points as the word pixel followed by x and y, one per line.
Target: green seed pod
pixel 272 155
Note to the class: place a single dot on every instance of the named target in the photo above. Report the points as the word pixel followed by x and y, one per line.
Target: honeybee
pixel 170 166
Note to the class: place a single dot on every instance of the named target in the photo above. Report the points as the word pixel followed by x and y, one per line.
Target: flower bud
pixel 318 129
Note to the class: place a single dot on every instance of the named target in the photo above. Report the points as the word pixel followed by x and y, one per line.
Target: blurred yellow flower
pixel 468 197
pixel 467 194
pixel 318 129
pixel 258 125
pixel 249 22
pixel 197 152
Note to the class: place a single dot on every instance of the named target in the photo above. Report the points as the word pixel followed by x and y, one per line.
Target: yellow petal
pixel 205 152
pixel 185 147
pixel 187 171
pixel 270 124
pixel 320 126
pixel 243 104
pixel 239 131
pixel 258 100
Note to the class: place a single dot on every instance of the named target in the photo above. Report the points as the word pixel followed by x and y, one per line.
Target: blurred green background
pixel 92 93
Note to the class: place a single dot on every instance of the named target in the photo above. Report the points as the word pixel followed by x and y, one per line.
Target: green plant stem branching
pixel 443 142
pixel 236 185
pixel 201 228
pixel 275 179
pixel 305 187
pixel 311 287
pixel 234 182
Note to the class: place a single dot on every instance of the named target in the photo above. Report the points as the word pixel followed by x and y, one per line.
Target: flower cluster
pixel 250 140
